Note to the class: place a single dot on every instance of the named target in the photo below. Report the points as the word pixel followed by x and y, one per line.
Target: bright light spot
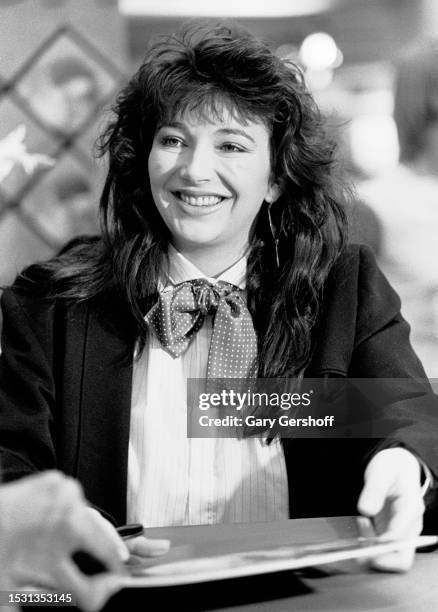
pixel 374 144
pixel 319 51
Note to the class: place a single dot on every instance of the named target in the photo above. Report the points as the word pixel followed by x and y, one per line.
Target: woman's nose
pixel 197 165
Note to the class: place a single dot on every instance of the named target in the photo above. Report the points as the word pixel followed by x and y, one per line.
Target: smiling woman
pixel 223 256
pixel 209 178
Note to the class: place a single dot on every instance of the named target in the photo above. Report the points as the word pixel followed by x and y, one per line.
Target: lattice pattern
pixel 49 110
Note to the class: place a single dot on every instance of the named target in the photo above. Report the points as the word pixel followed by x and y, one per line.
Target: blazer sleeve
pixel 27 394
pixel 30 408
pixel 383 353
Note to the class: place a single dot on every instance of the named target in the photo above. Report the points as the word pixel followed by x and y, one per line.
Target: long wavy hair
pixel 202 69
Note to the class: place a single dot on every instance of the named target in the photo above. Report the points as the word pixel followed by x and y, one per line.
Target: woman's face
pixel 209 178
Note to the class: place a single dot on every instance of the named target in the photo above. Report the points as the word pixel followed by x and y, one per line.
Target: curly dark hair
pixel 202 69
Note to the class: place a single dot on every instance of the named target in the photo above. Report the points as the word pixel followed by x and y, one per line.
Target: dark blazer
pixel 65 390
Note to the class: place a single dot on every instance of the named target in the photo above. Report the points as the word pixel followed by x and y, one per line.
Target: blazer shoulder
pixel 356 275
pixel 28 301
pixel 353 258
pixel 356 272
pixel 358 301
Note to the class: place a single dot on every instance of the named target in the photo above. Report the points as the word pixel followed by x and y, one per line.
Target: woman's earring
pixel 271 225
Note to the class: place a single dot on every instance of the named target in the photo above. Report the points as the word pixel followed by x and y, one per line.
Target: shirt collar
pixel 181 270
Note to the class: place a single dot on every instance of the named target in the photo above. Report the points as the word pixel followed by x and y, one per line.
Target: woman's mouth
pixel 201 200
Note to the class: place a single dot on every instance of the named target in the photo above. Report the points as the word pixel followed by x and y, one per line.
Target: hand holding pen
pixel 52 539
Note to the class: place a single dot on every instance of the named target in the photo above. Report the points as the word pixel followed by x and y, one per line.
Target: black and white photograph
pixel 219 305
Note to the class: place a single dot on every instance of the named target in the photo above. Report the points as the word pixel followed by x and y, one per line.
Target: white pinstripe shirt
pixel 175 480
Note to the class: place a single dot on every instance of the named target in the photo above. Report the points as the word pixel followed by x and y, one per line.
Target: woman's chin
pixel 196 242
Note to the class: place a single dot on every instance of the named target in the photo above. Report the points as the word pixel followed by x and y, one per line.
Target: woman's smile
pixel 203 200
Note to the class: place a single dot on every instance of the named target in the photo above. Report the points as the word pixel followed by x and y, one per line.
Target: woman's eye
pixel 230 147
pixel 171 141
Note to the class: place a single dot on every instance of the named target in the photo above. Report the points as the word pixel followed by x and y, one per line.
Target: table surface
pixel 339 587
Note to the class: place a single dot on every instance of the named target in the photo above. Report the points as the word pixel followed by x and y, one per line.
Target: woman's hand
pixel 393 499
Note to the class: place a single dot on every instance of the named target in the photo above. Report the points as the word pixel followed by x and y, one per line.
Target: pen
pixel 130 531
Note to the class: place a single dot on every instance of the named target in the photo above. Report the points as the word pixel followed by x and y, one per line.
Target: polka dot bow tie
pixel 181 311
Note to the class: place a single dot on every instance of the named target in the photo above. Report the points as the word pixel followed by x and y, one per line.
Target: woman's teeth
pixel 209 200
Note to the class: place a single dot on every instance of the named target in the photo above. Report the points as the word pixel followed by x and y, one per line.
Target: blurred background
pixel 372 65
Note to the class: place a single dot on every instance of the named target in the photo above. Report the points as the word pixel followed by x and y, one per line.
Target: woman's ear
pixel 275 190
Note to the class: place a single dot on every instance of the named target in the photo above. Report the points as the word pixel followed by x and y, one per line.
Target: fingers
pixel 91 593
pixel 104 587
pixel 45 534
pixel 88 531
pixel 145 547
pixel 375 490
pixel 405 520
pixel 405 516
pixel 392 498
pixel 397 561
pixel 391 474
pixel 100 539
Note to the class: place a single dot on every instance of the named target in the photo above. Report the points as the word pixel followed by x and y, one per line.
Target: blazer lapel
pixel 105 404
